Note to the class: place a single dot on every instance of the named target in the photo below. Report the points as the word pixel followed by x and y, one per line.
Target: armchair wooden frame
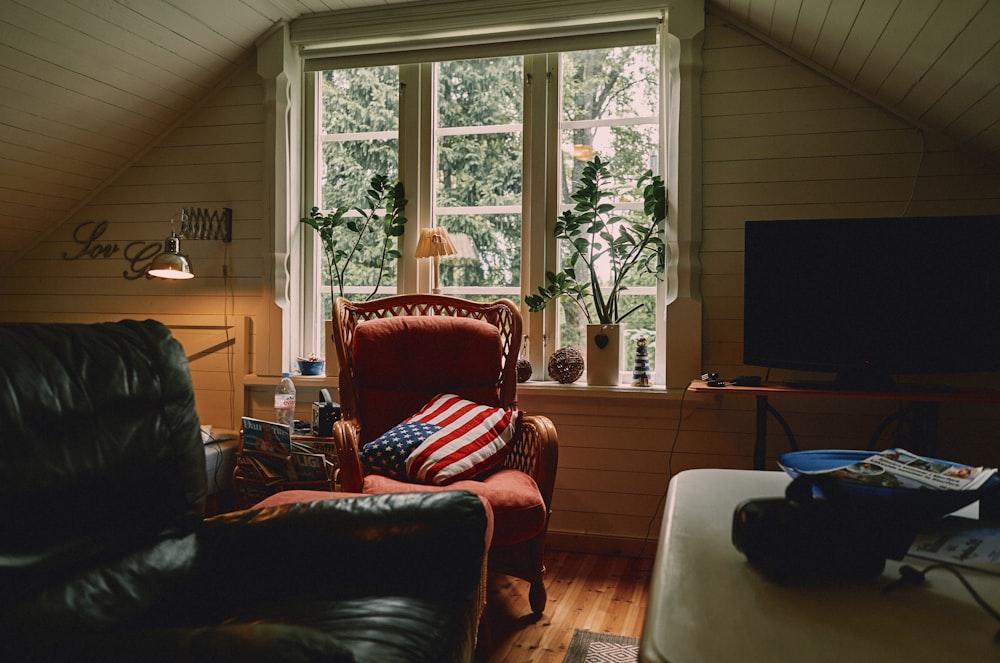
pixel 535 453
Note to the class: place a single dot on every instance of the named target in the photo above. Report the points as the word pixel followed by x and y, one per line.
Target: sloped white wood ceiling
pixel 935 63
pixel 86 86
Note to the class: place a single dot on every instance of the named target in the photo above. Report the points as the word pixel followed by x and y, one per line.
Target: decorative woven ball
pixel 523 370
pixel 566 365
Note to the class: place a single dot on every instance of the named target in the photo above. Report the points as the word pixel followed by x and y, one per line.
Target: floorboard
pixel 598 593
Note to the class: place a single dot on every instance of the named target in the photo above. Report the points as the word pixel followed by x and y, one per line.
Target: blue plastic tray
pixel 927 503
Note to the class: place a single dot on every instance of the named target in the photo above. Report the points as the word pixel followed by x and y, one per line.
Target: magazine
pixel 899 468
pixel 309 467
pixel 316 446
pixel 269 461
pixel 267 437
pixel 253 468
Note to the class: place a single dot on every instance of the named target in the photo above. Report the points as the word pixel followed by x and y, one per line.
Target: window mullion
pixel 311 312
pixel 541 145
pixel 416 147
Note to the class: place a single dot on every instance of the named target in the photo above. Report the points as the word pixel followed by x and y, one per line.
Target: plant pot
pixel 311 367
pixel 603 354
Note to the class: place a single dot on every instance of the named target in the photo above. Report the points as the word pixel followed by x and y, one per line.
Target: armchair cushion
pixel 519 511
pixel 402 362
pixel 448 440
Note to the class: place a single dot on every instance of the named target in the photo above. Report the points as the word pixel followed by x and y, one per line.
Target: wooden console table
pixel 922 406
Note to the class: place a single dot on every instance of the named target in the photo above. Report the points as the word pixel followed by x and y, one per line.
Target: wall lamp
pixel 195 224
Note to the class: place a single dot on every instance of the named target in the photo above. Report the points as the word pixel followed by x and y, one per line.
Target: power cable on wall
pixel 670 472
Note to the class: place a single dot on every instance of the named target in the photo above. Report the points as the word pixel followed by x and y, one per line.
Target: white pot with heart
pixel 603 354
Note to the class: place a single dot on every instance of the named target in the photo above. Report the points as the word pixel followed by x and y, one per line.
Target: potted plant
pixel 346 239
pixel 344 236
pixel 602 243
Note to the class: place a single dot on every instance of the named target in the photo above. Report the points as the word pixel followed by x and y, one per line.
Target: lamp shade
pixel 435 242
pixel 171 264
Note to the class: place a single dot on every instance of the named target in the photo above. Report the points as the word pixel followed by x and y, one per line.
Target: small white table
pixel 708 605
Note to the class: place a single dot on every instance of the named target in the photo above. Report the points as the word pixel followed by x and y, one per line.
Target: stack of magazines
pixel 899 468
pixel 269 461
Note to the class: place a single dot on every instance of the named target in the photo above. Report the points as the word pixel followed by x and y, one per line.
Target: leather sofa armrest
pixel 404 544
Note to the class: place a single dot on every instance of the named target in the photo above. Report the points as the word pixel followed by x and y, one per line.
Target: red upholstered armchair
pixel 396 354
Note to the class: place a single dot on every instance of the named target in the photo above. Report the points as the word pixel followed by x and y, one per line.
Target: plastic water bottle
pixel 284 400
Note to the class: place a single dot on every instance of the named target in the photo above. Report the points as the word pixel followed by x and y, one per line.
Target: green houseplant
pixel 349 239
pixel 366 240
pixel 601 242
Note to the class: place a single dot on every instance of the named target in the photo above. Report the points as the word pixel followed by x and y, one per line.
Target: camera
pixel 805 537
pixel 324 413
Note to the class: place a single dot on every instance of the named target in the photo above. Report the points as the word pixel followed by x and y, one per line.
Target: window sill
pixel 551 388
pixel 547 388
pixel 253 380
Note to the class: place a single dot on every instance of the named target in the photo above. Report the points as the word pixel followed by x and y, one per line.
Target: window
pixel 483 112
pixel 609 106
pixel 478 174
pixel 357 136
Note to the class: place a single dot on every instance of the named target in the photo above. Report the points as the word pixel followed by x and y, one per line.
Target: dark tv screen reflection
pixel 871 299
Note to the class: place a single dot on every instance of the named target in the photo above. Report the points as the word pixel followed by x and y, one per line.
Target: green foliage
pixel 479 169
pixel 345 237
pixel 603 242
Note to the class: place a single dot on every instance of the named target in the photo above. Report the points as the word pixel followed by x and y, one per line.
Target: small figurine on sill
pixel 640 371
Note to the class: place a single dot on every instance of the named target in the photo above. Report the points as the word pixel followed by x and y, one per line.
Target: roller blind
pixel 403 34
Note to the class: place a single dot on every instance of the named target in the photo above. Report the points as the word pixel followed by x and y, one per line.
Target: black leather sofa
pixel 105 556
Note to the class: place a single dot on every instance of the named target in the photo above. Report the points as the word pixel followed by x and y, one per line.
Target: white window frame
pixel 374 31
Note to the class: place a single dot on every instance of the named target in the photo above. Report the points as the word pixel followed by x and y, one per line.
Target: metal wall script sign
pixel 138 255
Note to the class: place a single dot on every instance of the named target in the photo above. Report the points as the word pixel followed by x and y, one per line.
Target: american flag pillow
pixel 387 454
pixel 471 439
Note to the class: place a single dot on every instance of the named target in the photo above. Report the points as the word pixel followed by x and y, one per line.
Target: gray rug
pixel 589 647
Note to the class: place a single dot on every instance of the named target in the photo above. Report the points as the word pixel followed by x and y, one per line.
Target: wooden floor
pixel 593 592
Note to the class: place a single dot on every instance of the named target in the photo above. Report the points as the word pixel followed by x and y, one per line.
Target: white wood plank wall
pixel 779 142
pixel 214 159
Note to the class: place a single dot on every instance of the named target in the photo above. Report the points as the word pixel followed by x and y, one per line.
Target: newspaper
pixel 960 541
pixel 899 468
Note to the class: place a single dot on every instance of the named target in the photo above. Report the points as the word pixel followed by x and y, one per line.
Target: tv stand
pixel 847 385
pixel 860 380
pixel 922 406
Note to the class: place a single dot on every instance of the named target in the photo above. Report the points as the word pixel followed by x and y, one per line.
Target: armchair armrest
pixel 536 453
pixel 420 544
pixel 346 435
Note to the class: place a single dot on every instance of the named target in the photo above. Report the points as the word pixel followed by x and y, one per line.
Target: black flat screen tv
pixel 871 299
